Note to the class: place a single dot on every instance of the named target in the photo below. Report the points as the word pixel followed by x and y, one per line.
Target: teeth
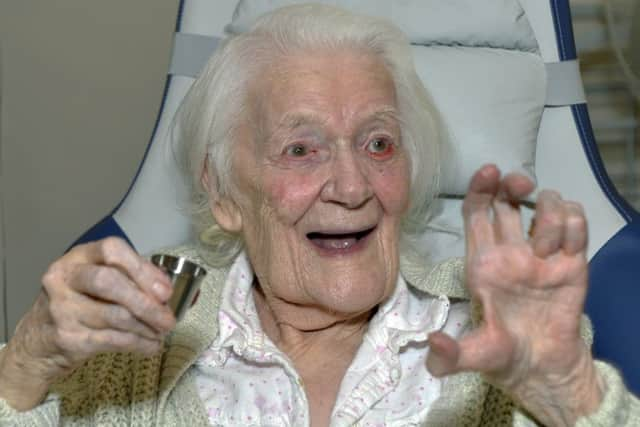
pixel 335 243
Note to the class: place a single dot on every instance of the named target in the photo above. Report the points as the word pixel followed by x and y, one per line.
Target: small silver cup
pixel 185 277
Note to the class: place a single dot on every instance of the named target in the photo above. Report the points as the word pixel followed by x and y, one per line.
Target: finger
pixel 517 186
pixel 116 252
pixel 506 205
pixel 483 351
pixel 110 284
pixel 576 231
pixel 477 352
pixel 90 342
pixel 444 353
pixel 100 315
pixel 475 208
pixel 548 234
pixel 508 225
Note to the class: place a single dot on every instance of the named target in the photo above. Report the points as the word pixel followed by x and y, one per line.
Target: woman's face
pixel 322 182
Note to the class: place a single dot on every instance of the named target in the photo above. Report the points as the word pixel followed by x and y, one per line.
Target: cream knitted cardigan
pixel 125 390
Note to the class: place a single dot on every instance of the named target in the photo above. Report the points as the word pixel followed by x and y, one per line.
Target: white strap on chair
pixel 191 52
pixel 564 84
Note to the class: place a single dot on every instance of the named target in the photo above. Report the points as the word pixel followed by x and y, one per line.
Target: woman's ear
pixel 224 209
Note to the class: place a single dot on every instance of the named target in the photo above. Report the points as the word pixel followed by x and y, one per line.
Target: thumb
pixel 444 353
pixel 479 351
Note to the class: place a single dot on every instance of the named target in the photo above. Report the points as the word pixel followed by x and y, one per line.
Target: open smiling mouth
pixel 339 243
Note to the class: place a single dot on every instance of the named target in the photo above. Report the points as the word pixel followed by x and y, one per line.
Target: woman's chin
pixel 351 300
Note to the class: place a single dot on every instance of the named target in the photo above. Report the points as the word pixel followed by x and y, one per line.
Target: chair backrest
pixel 504 74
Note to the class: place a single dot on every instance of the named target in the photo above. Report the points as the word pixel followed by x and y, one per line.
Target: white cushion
pixel 496 23
pixel 490 96
pixel 491 103
pixel 154 219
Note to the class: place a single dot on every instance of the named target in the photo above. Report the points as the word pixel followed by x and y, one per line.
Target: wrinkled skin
pixel 327 158
pixel 332 108
pixel 531 292
pixel 336 165
pixel 99 297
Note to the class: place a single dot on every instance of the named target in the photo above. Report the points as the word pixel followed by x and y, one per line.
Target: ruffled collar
pixel 409 315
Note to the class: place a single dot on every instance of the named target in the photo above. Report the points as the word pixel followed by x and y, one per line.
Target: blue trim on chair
pixel 583 123
pixel 614 289
pixel 564 30
pixel 105 228
pixel 612 302
pixel 179 17
pixel 567 51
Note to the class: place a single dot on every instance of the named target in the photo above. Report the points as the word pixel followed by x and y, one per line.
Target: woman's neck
pixel 298 329
pixel 321 345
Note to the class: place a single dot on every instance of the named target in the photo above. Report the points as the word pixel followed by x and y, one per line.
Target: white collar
pixel 409 315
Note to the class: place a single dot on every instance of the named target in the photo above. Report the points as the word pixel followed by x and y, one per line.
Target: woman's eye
pixel 303 152
pixel 296 150
pixel 380 147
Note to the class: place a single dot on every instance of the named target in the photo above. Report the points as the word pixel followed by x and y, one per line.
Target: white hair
pixel 217 104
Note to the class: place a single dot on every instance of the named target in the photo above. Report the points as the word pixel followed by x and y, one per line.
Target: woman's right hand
pixel 99 297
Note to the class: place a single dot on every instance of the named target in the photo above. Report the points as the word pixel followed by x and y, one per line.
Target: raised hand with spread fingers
pixel 531 292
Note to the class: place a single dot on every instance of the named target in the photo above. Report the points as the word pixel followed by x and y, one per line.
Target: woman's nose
pixel 348 184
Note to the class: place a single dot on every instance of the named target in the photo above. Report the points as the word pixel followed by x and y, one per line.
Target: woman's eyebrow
pixel 388 116
pixel 384 112
pixel 292 121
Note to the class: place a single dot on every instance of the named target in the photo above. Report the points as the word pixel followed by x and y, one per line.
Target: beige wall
pixel 82 83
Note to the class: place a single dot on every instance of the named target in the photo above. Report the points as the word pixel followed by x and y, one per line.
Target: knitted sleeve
pixel 74 388
pixel 72 399
pixel 103 391
pixel 500 411
pixel 46 414
pixel 619 408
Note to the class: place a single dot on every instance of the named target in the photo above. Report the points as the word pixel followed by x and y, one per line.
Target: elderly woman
pixel 312 147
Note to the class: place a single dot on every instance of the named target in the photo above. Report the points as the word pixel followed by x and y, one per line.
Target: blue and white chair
pixel 505 76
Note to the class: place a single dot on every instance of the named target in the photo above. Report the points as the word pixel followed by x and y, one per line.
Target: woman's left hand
pixel 531 292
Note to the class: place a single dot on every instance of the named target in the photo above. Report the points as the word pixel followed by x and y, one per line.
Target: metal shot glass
pixel 185 277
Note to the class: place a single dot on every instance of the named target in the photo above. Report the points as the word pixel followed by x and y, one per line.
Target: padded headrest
pixel 481 62
pixel 484 74
pixel 499 32
pixel 492 23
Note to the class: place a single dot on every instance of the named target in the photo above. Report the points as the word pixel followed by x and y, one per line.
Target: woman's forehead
pixel 315 88
pixel 341 66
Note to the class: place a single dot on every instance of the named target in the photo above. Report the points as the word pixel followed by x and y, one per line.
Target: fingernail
pixel 436 365
pixel 161 291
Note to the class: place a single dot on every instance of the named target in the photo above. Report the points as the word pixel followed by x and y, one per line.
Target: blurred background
pixel 82 82
pixel 607 34
pixel 80 86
